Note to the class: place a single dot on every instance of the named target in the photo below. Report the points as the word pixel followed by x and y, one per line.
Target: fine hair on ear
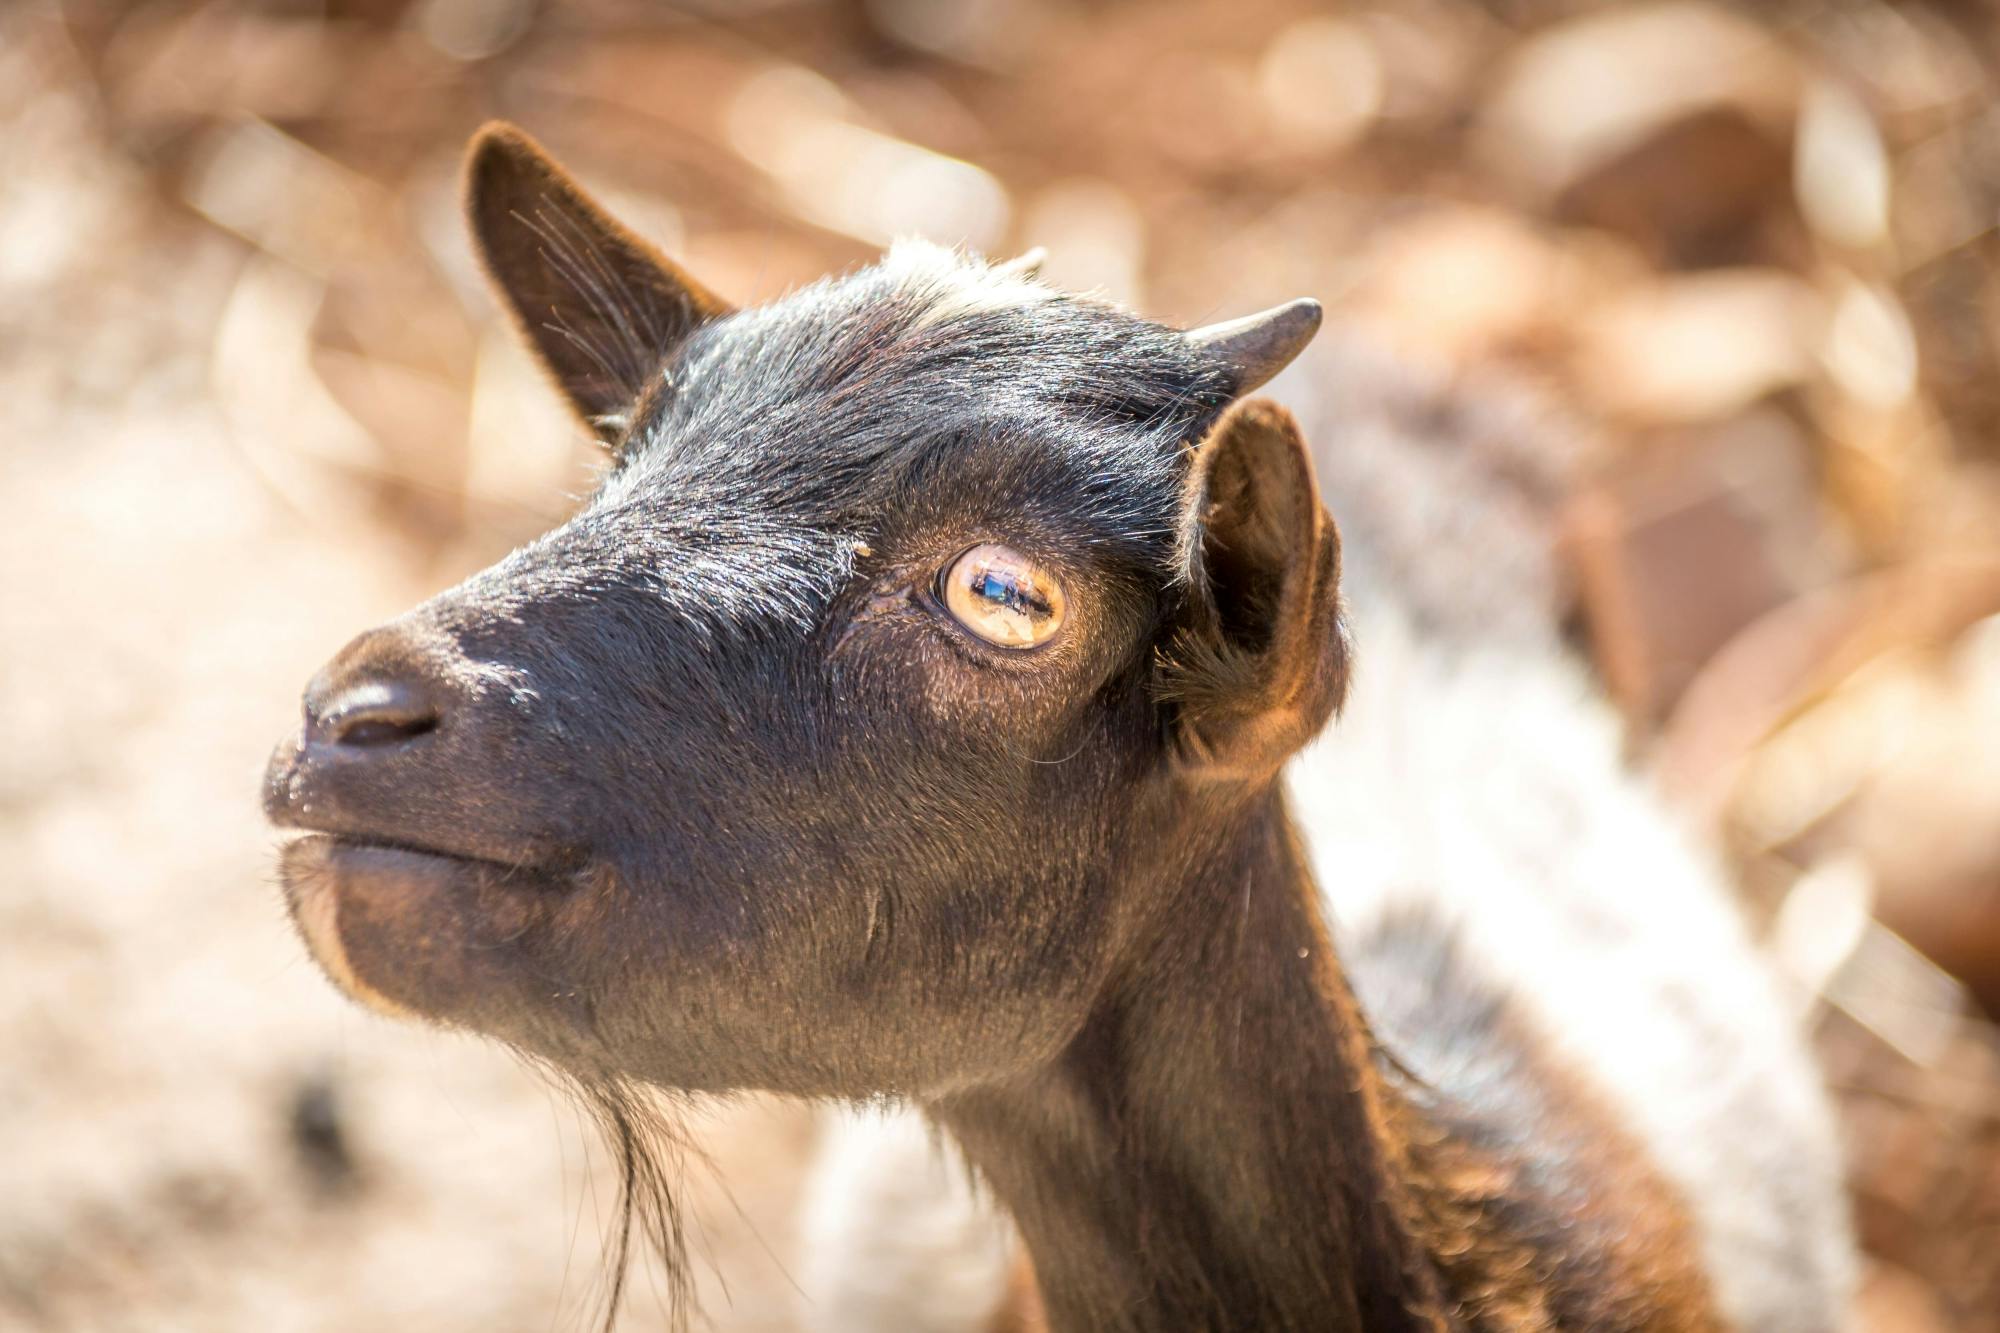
pixel 1258 661
pixel 600 307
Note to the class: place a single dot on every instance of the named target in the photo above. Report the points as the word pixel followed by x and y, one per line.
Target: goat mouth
pixel 342 844
pixel 304 792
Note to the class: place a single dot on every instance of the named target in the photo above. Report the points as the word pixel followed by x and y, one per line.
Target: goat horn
pixel 1256 347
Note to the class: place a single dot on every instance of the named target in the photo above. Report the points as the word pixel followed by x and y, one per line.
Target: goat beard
pixel 645 1128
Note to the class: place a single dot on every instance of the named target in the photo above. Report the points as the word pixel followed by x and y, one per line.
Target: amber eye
pixel 1003 597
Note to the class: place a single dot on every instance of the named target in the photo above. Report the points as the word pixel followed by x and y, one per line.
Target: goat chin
pixel 897 1235
pixel 312 892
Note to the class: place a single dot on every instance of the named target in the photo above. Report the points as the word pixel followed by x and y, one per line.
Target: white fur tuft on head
pixel 954 284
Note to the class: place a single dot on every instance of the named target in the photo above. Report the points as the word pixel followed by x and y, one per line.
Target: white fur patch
pixel 894 1234
pixel 1490 791
pixel 955 285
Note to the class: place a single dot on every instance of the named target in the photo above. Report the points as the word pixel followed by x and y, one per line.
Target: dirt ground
pixel 199 1134
pixel 253 399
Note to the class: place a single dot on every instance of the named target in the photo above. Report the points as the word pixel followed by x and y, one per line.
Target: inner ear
pixel 600 307
pixel 1251 519
pixel 1259 662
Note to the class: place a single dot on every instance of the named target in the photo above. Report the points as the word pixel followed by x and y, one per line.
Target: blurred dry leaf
pixel 1095 237
pixel 281 418
pixel 995 34
pixel 1841 167
pixel 1757 246
pixel 1703 347
pixel 280 195
pixel 1870 349
pixel 1462 284
pixel 795 126
pixel 166 66
pixel 1927 819
pixel 1914 61
pixel 1322 82
pixel 474 29
pixel 1578 94
pixel 1677 551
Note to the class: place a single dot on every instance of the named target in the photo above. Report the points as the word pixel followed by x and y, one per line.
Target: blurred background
pixel 254 399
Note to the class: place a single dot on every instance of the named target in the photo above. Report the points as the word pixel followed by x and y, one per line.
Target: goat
pixel 906 719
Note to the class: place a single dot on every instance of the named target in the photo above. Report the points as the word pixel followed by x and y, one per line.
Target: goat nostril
pixel 366 731
pixel 377 714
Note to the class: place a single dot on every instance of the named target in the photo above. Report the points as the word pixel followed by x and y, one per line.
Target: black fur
pixel 705 791
pixel 733 804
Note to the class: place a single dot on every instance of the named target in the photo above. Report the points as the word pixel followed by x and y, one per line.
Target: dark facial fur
pixel 704 790
pixel 767 817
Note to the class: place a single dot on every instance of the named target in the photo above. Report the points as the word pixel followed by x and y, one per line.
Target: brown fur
pixel 1629 1230
pixel 1627 1259
pixel 1494 1248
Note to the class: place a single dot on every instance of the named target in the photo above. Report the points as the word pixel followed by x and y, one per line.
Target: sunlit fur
pixel 1476 776
pixel 710 797
pixel 1472 798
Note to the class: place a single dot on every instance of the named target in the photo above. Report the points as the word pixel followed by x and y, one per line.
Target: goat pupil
pixel 1002 591
pixel 1002 588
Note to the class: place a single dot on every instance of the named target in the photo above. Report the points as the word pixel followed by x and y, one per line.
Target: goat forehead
pixel 947 285
pixel 923 340
pixel 779 435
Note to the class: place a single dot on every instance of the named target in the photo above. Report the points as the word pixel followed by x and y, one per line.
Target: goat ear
pixel 1260 661
pixel 600 307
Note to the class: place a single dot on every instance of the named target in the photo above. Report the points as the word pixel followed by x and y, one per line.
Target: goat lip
pixel 339 842
pixel 308 869
pixel 301 795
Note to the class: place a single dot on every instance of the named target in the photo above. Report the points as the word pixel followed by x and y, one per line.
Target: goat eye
pixel 1003 597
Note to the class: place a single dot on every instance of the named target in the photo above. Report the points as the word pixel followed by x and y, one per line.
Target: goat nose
pixel 383 691
pixel 372 713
